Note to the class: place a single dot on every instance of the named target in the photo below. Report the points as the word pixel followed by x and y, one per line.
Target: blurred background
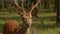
pixel 46 19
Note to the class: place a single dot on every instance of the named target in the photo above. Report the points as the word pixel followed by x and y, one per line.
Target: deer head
pixel 26 16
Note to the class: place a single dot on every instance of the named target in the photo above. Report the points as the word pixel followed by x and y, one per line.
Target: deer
pixel 12 26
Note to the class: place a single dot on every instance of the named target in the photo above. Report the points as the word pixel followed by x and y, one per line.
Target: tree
pixel 0 4
pixel 45 4
pixel 58 12
pixel 48 2
pixel 55 7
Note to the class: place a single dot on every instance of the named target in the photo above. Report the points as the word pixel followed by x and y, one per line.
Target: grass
pixel 44 24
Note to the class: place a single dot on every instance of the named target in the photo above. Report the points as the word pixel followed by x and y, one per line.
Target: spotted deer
pixel 12 26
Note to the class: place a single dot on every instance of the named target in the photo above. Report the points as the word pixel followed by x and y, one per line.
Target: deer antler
pixel 34 5
pixel 19 7
pixel 22 8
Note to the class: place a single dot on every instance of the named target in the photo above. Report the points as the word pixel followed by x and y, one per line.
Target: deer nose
pixel 27 25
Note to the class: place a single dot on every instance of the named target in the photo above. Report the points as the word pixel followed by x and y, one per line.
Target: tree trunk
pixel 58 12
pixel 48 2
pixel 45 6
pixel 4 4
pixel 0 4
pixel 55 7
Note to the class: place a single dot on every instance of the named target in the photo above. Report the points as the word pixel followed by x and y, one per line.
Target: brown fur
pixel 35 12
pixel 11 27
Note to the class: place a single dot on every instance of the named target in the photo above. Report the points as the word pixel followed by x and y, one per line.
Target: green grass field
pixel 44 24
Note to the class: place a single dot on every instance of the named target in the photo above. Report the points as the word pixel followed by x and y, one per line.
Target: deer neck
pixel 24 30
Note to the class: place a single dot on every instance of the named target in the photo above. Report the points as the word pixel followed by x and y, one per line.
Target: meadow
pixel 44 24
